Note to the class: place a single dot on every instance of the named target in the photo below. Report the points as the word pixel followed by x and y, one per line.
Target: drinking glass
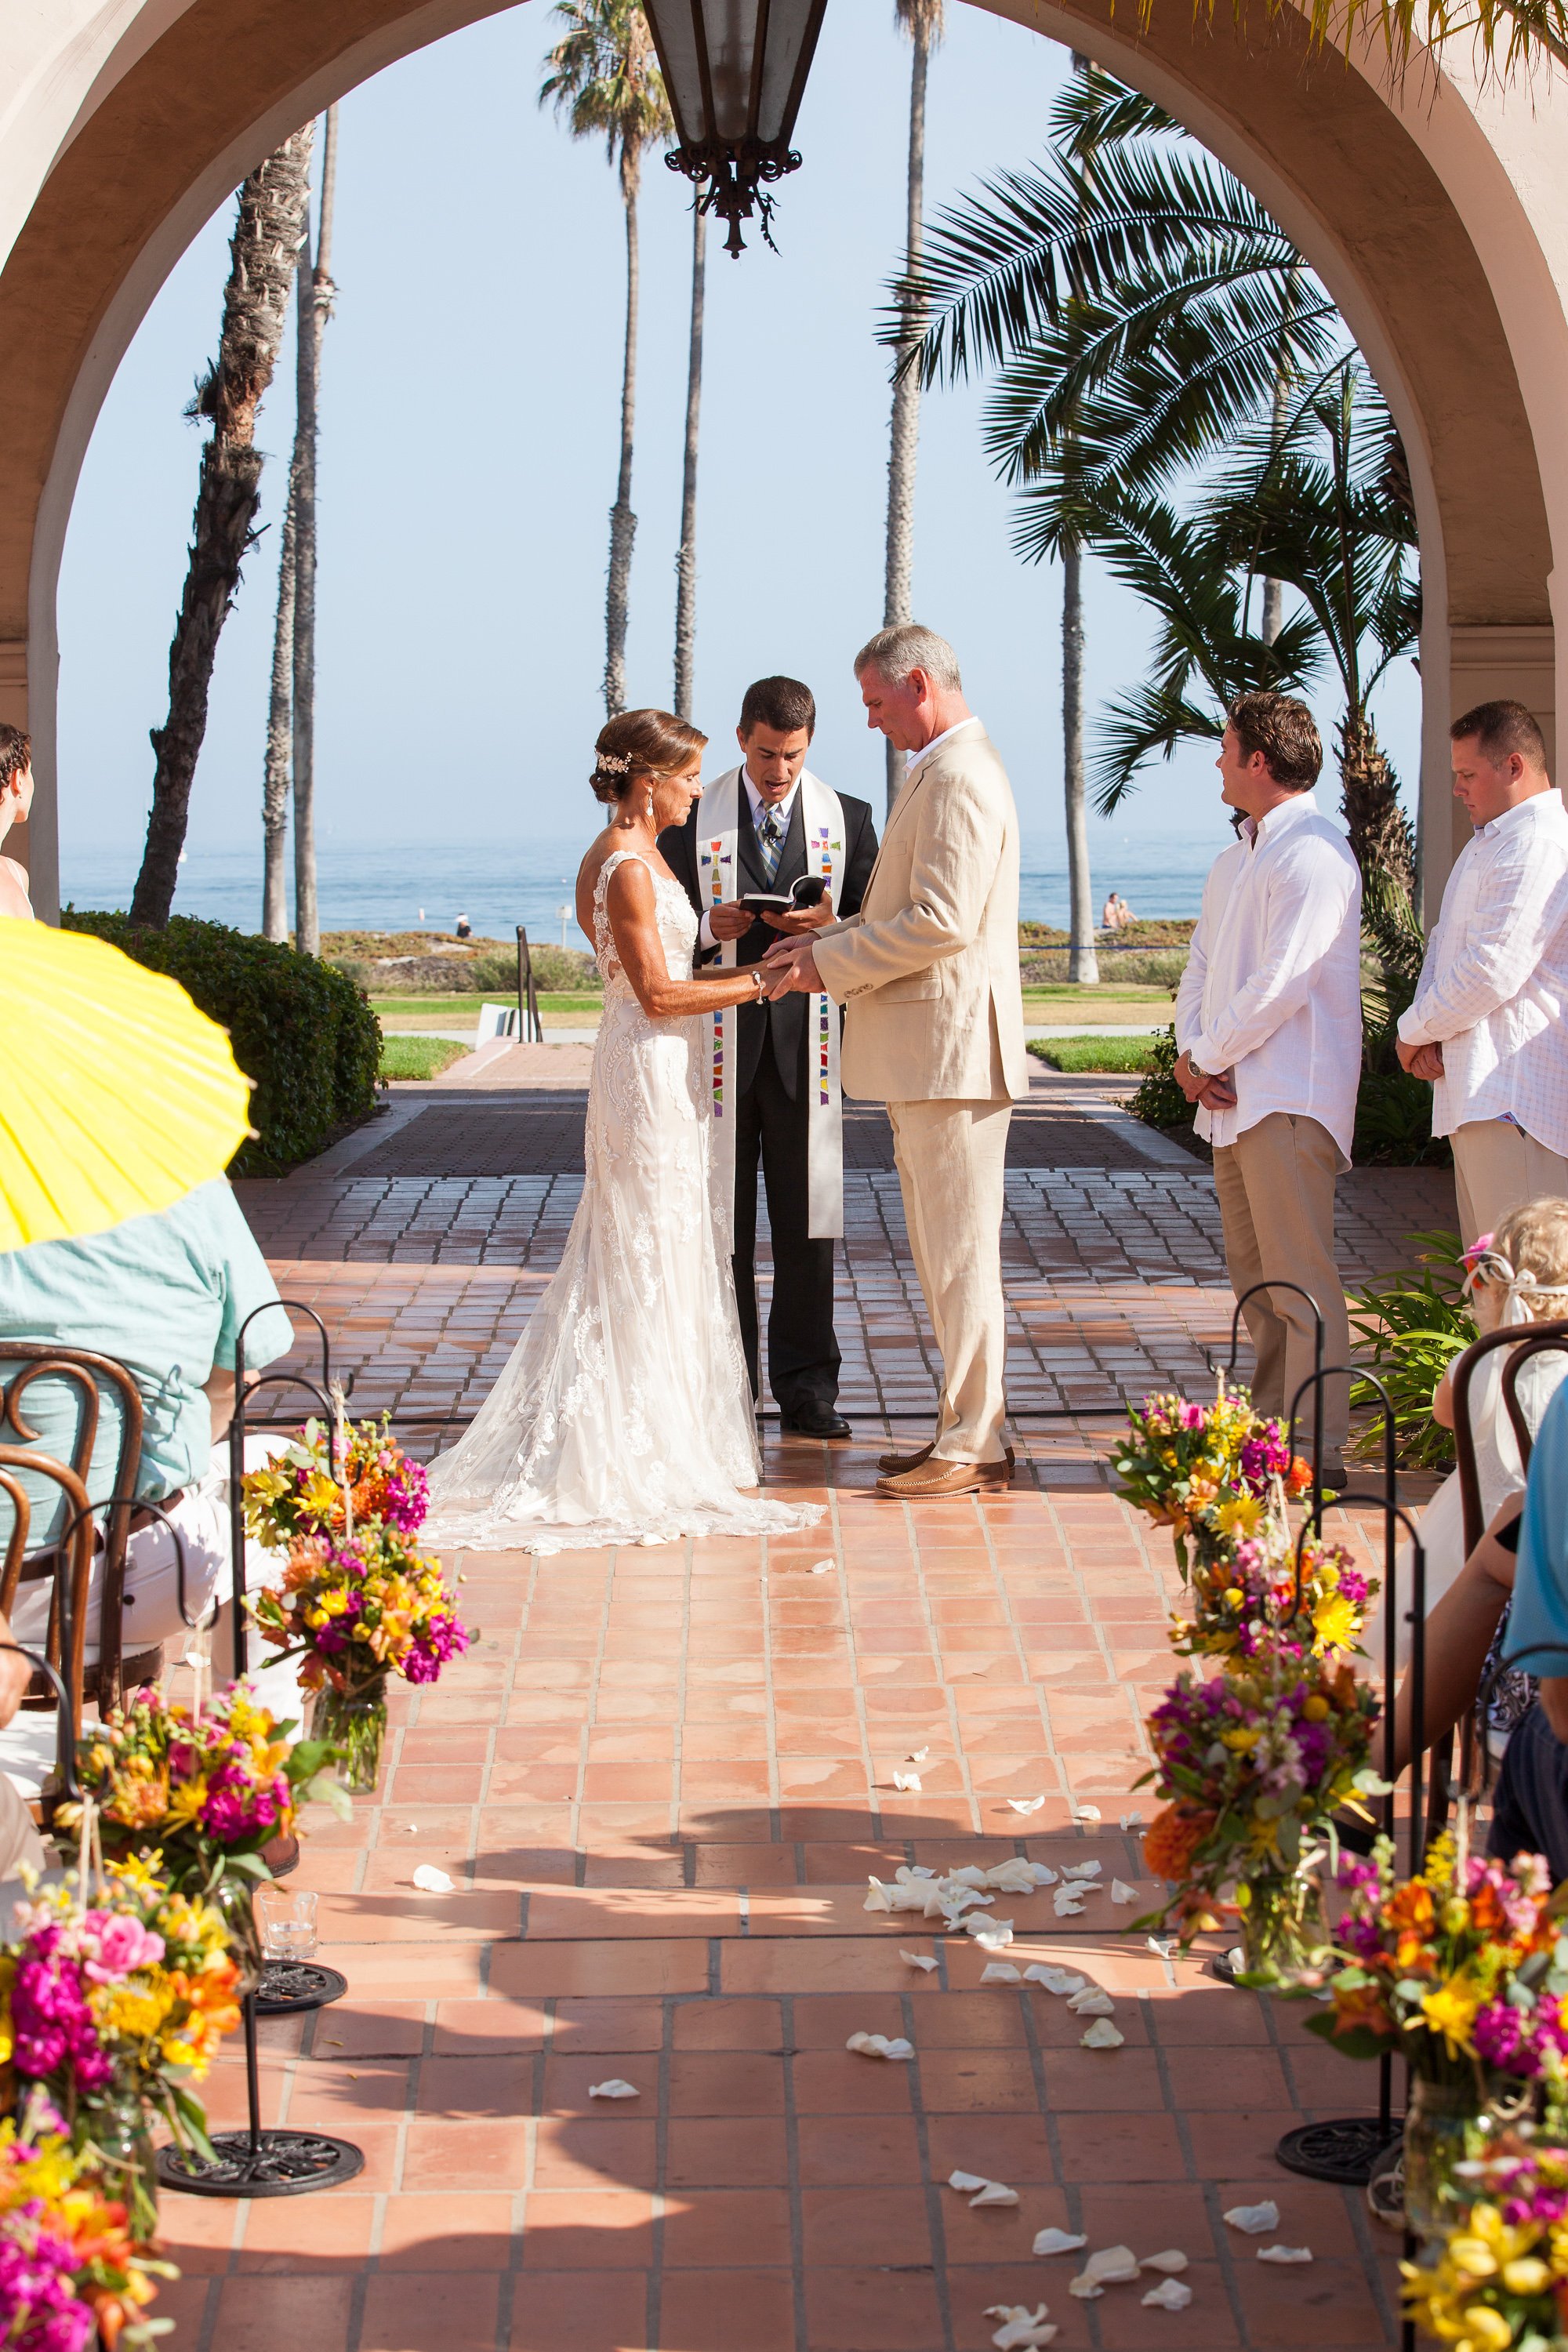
pixel 287 1922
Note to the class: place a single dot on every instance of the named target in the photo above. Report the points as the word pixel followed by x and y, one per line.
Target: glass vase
pixel 235 1896
pixel 355 1722
pixel 120 2134
pixel 1279 1927
pixel 1446 2124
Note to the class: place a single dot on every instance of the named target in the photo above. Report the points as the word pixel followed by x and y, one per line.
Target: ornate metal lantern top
pixel 735 72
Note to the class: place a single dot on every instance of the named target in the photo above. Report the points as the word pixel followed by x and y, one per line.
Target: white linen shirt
pixel 1271 994
pixel 1494 983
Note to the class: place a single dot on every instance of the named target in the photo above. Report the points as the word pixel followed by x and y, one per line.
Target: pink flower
pixel 124 1945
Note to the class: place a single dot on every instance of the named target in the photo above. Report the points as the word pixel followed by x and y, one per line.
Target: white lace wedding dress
pixel 625 1414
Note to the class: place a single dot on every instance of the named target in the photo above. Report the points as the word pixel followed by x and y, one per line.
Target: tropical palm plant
pixel 686 561
pixel 603 78
pixel 267 238
pixel 923 20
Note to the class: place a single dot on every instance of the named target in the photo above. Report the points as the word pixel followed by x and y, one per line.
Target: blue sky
pixel 468 445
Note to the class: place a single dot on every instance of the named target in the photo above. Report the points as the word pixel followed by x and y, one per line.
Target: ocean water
pixel 426 885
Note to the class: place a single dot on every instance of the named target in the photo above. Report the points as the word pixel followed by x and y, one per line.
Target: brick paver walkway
pixel 659 1780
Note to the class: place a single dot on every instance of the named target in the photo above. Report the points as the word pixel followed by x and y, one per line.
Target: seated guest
pixel 165 1295
pixel 15 800
pixel 1517 1276
pixel 1531 1806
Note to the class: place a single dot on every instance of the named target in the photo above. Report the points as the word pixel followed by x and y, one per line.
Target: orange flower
pixel 1172 1839
pixel 1362 2007
pixel 1410 1906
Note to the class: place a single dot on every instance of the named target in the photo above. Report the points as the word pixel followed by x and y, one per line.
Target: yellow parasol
pixel 117 1097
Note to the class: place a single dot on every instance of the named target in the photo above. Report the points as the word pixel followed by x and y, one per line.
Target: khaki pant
pixel 952 1158
pixel 1497 1167
pixel 1276 1186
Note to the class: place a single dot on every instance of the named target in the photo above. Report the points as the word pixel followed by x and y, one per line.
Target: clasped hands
pixel 1420 1061
pixel 1213 1091
pixel 788 967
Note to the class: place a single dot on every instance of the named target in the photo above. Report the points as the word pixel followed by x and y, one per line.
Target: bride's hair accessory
pixel 607 764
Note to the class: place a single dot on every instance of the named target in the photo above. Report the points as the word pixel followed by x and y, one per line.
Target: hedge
pixel 302 1031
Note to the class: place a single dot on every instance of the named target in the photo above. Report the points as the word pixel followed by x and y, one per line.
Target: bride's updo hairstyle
pixel 642 746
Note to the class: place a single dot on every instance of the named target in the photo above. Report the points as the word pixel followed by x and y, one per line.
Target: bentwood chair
pixel 97 1388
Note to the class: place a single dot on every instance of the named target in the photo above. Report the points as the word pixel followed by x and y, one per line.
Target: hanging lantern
pixel 735 72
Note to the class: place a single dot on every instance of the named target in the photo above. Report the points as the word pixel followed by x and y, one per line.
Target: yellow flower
pixel 1239 1515
pixel 1316 1709
pixel 1450 2010
pixel 1234 1598
pixel 1335 1622
pixel 1527 2275
pixel 185 1803
pixel 1472 2258
pixel 1240 1742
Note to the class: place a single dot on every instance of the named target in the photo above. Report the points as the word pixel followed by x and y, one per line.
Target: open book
pixel 807 890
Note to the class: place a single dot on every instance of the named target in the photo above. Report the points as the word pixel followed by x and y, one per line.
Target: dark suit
pixel 772 1113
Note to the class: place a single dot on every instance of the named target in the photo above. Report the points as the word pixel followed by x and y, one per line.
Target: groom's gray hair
pixel 893 653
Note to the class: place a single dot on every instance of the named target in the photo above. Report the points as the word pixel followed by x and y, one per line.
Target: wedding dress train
pixel 625 1414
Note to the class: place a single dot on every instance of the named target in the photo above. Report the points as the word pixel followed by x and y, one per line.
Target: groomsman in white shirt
pixel 1486 1025
pixel 1269 1028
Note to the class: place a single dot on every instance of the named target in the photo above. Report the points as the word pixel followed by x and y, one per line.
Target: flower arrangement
pixel 1464 1968
pixel 110 2005
pixel 207 1790
pixel 1190 1466
pixel 1246 1598
pixel 71 2271
pixel 1251 1764
pixel 301 1491
pixel 1500 2279
pixel 357 1600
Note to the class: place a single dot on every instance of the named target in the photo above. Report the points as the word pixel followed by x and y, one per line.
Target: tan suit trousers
pixel 1276 1186
pixel 1497 1167
pixel 951 1159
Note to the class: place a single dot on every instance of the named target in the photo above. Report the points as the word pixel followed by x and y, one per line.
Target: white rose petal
pixel 877 2046
pixel 1016 1876
pixel 1171 2261
pixel 918 1756
pixel 823 1568
pixel 1080 1870
pixel 918 1960
pixel 1084 2287
pixel 433 1881
pixel 1102 2035
pixel 1027 1804
pixel 615 2088
pixel 970 1874
pixel 1284 2254
pixel 878 1896
pixel 996 2192
pixel 1053 1980
pixel 1086 1812
pixel 989 1932
pixel 1057 2241
pixel 1122 1893
pixel 1170 2295
pixel 906 1780
pixel 968 2182
pixel 1092 2001
pixel 1254 2220
pixel 1021 2329
pixel 1161 1946
pixel 1113 2266
pixel 1133 1821
pixel 999 1972
pixel 1067 1904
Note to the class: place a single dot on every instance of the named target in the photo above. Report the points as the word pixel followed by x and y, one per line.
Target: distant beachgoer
pixel 1124 914
pixel 465 929
pixel 15 800
pixel 1110 914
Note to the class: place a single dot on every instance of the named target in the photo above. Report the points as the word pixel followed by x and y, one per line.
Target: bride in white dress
pixel 625 1414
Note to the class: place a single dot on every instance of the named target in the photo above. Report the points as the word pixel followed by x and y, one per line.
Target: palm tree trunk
pixel 279 727
pixel 261 263
pixel 1379 829
pixel 686 562
pixel 1082 962
pixel 623 523
pixel 315 295
pixel 898 594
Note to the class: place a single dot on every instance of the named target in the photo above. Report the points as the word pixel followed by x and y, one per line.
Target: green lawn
pixel 1129 1055
pixel 419 1057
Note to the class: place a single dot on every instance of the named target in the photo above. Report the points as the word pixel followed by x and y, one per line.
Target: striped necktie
pixel 770 841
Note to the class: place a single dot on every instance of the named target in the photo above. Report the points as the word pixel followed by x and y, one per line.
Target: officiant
pixel 769 827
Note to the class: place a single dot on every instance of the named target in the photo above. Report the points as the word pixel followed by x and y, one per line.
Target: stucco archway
pixel 1437 212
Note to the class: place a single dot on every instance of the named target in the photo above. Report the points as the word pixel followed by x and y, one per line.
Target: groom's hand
pixel 730 921
pixel 791 968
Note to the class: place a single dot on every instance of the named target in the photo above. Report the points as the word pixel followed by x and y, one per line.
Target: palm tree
pixel 686 562
pixel 315 296
pixel 1083 964
pixel 316 292
pixel 603 78
pixel 267 238
pixel 923 20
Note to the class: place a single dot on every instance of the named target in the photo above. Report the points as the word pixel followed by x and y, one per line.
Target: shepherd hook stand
pixel 256 2163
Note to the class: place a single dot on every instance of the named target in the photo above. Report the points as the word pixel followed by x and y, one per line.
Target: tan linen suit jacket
pixel 928 969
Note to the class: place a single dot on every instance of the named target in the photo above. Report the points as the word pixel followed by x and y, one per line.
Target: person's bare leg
pixel 1459 1636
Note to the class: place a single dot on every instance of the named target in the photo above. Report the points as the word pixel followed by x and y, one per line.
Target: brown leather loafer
pixel 892 1464
pixel 935 1480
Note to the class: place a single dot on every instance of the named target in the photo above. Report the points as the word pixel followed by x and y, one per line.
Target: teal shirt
pixel 165 1295
pixel 1540 1611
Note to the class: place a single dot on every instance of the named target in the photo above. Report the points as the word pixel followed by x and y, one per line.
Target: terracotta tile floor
pixel 659 1780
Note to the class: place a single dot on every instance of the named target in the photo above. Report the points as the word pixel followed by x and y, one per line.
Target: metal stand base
pixel 1222 1967
pixel 261 2164
pixel 1343 2150
pixel 290 1988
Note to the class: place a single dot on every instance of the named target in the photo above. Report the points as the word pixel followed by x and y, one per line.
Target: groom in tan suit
pixel 928 971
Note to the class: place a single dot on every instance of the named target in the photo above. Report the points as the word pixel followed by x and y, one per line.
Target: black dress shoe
pixel 814 1419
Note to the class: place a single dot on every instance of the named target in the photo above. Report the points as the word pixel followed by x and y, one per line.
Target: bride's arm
pixel 631 904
